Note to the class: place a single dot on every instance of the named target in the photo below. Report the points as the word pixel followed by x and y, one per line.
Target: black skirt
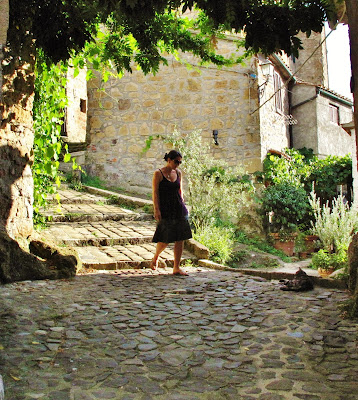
pixel 172 230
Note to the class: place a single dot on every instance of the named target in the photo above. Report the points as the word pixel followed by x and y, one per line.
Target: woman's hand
pixel 157 215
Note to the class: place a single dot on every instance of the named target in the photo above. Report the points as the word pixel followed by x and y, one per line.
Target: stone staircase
pixel 109 236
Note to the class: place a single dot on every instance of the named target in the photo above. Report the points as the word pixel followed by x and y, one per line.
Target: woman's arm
pixel 181 184
pixel 155 194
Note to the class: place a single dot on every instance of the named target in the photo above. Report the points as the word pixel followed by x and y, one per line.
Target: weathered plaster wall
pixel 332 138
pixel 16 136
pixel 274 130
pixel 76 110
pixel 136 107
pixel 304 110
pixel 314 129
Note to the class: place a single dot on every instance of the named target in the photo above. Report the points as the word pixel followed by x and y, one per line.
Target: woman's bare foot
pixel 179 271
pixel 154 265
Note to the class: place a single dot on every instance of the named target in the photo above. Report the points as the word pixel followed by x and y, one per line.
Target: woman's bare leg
pixel 178 251
pixel 160 247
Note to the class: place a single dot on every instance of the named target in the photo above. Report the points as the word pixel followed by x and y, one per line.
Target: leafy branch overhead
pixel 61 27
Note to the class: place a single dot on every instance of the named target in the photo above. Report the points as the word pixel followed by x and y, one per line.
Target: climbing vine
pixel 49 105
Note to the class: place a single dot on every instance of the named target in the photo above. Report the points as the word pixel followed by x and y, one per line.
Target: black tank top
pixel 171 204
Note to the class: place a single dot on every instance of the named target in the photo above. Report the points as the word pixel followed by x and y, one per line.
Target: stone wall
pixel 315 69
pixel 137 107
pixel 16 137
pixel 4 23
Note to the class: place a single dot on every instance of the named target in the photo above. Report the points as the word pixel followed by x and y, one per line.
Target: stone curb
pixel 124 199
pixel 275 275
pixel 198 249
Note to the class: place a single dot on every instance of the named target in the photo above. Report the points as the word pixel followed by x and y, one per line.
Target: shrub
pixel 219 240
pixel 292 167
pixel 213 190
pixel 325 260
pixel 327 174
pixel 334 225
pixel 285 208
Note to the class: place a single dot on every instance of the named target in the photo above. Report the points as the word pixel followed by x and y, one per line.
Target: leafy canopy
pixel 61 27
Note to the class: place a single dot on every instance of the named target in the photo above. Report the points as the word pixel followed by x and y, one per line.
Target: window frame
pixel 277 84
pixel 334 116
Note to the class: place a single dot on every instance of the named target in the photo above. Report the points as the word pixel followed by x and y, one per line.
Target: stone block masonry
pixel 137 107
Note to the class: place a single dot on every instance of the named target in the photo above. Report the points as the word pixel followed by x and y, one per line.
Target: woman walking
pixel 170 211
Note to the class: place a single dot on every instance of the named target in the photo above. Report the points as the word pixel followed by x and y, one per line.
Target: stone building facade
pixel 254 107
pixel 320 114
pixel 136 108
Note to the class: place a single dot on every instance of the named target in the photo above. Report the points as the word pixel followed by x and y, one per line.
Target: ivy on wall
pixel 49 105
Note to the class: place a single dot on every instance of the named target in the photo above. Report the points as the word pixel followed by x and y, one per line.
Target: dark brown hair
pixel 173 154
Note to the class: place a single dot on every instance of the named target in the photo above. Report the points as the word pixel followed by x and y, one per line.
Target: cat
pixel 300 283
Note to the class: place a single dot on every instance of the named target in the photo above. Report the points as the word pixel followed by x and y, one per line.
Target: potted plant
pixel 300 245
pixel 326 263
pixel 284 207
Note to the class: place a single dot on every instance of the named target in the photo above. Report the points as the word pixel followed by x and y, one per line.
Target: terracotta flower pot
pixel 287 246
pixel 325 272
pixel 310 243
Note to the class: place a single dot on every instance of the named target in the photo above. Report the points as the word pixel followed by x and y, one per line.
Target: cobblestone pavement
pixel 138 334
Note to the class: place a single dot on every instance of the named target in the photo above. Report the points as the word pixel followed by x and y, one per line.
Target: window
pixel 277 83
pixel 83 105
pixel 334 114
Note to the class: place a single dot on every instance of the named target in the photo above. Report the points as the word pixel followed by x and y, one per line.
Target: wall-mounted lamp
pixel 215 136
pixel 266 68
pixel 267 72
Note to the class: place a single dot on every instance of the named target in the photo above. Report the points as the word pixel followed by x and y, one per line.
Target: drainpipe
pixel 290 127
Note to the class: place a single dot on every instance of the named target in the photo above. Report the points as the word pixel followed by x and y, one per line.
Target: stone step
pixel 90 212
pixel 126 256
pixel 70 196
pixel 102 233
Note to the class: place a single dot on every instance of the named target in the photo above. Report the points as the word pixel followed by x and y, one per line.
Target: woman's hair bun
pixel 173 154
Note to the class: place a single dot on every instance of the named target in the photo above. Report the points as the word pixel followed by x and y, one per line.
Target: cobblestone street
pixel 138 334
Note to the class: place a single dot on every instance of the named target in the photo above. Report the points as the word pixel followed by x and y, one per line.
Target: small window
pixel 334 114
pixel 64 123
pixel 83 105
pixel 277 83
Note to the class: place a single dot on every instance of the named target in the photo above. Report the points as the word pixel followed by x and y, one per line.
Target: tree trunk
pixel 352 14
pixel 16 155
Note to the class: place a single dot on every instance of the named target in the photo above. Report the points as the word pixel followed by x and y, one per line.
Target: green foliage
pixel 327 174
pixel 74 182
pixel 214 190
pixel 218 240
pixel 325 260
pixel 284 207
pixel 61 27
pixel 334 224
pixel 239 256
pixel 49 104
pixel 256 243
pixel 93 181
pixel 292 167
pixel 302 168
pixel 48 112
pixel 264 264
